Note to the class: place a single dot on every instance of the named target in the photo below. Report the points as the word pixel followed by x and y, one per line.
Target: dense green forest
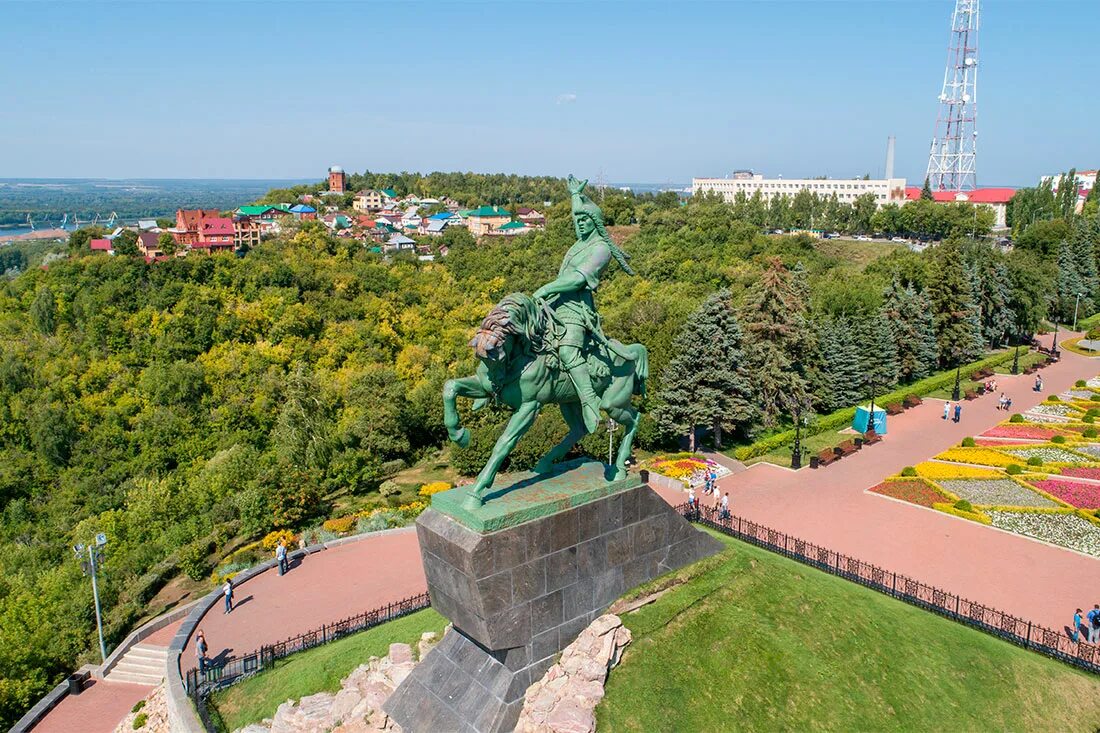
pixel 184 406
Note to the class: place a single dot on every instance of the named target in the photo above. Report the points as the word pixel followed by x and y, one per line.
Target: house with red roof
pixel 188 223
pixel 101 245
pixel 216 234
pixel 995 198
pixel 149 244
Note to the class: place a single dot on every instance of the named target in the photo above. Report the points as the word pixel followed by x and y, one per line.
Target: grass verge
pixel 756 642
pixel 316 670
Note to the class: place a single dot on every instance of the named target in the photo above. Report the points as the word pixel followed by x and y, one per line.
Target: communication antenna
pixel 953 157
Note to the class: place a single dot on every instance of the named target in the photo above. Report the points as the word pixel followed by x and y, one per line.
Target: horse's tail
pixel 641 368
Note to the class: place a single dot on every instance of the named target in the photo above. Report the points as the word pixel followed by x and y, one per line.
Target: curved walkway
pixel 828 506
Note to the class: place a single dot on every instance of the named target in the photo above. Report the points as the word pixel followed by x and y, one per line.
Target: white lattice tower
pixel 952 162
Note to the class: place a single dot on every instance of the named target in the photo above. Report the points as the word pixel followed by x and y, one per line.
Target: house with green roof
pixel 265 212
pixel 484 219
pixel 510 229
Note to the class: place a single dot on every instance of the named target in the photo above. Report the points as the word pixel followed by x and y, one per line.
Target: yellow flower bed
pixel 434 488
pixel 934 471
pixel 972 516
pixel 981 456
pixel 271 540
pixel 680 468
pixel 340 524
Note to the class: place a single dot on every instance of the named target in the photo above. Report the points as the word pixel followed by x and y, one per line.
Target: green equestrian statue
pixel 551 349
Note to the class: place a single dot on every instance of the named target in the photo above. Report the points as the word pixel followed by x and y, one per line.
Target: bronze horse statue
pixel 519 367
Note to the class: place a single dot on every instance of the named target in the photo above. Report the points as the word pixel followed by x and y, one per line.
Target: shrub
pixel 1095 398
pixel 968 442
pixel 318 535
pixel 911 400
pixel 908 471
pixel 964 506
pixel 1054 398
pixel 1092 412
pixel 137 706
pixel 1089 433
pixel 340 525
pixel 1092 334
pixel 192 560
pixel 1017 417
pixel 1014 469
pixel 1058 439
pixel 1080 383
pixel 389 488
pixel 140 720
pixel 894 408
pixel 970 395
pixel 1035 461
pixel 434 488
pixel 272 539
pixel 1088 419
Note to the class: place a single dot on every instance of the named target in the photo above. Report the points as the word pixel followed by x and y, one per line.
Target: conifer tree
pixel 706 383
pixel 878 356
pixel 926 191
pixel 909 317
pixel 1069 281
pixel 954 314
pixel 778 339
pixel 839 380
pixel 1084 254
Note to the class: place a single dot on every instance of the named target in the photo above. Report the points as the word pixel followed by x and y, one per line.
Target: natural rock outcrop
pixel 155 710
pixel 357 707
pixel 565 699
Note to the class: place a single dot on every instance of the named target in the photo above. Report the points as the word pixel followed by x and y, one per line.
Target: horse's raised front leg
pixel 522 420
pixel 628 418
pixel 571 411
pixel 465 387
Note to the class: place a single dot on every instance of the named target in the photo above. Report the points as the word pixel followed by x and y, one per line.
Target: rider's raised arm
pixel 567 282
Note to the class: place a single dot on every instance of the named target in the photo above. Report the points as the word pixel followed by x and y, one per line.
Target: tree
pixel 166 243
pixel 954 314
pixel 301 434
pixel 44 311
pixel 1083 245
pixel 863 208
pixel 1031 280
pixel 926 191
pixel 1069 283
pixel 778 340
pixel 706 382
pixel 78 240
pixel 878 355
pixel 839 379
pixel 125 243
pixel 909 317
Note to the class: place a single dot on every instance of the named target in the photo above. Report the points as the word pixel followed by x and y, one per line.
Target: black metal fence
pixel 220 674
pixel 1053 643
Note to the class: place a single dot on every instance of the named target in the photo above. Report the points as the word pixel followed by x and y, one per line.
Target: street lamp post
pixel 796 452
pixel 958 371
pixel 1016 358
pixel 95 557
pixel 1075 307
pixel 871 414
pixel 611 426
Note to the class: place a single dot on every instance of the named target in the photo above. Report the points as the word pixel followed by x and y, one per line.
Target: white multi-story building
pixel 847 190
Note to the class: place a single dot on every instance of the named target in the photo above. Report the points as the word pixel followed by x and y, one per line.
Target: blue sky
pixel 638 92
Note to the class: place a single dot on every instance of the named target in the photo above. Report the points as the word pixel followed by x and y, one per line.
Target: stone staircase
pixel 143 664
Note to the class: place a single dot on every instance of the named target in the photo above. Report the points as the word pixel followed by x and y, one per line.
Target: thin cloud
pixel 567 98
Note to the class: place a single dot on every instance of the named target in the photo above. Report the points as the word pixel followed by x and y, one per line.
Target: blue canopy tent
pixel 859 422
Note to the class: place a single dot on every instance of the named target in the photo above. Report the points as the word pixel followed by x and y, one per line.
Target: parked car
pixel 777 231
pixel 861 238
pixel 832 235
pixel 900 240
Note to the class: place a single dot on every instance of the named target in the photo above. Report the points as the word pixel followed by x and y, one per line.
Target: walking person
pixel 1077 625
pixel 1008 402
pixel 227 591
pixel 725 514
pixel 1038 383
pixel 280 555
pixel 1093 625
pixel 946 409
pixel 200 650
pixel 958 411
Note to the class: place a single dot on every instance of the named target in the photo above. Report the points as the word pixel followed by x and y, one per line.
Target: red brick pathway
pixel 98 709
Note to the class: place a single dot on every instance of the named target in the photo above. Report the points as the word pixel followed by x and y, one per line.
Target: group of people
pixel 227 595
pixel 952 408
pixel 710 487
pixel 1005 402
pixel 1090 624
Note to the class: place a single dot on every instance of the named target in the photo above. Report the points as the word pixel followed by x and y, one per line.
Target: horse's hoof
pixel 462 438
pixel 543 467
pixel 473 502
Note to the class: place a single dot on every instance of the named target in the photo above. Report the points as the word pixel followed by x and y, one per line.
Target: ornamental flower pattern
pixel 1092 449
pixel 1081 472
pixel 1084 394
pixel 1080 495
pixel 1048 454
pixel 1051 410
pixel 913 491
pixel 1067 530
pixel 1046 418
pixel 1032 432
pixel 996 492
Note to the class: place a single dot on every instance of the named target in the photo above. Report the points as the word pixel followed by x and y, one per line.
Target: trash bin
pixel 76 684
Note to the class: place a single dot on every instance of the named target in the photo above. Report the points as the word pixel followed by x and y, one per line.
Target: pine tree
pixel 955 317
pixel 878 355
pixel 706 383
pixel 975 346
pixel 926 192
pixel 778 339
pixel 909 317
pixel 1084 254
pixel 1069 281
pixel 992 292
pixel 839 381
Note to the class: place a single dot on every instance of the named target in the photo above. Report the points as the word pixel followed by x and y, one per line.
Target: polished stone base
pixel 520 595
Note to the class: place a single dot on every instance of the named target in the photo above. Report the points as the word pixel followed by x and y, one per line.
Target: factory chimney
pixel 890 157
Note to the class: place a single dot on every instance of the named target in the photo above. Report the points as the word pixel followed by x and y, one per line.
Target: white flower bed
pixel 1094 382
pixel 1046 409
pixel 1091 448
pixel 1066 530
pixel 1083 394
pixel 1049 455
pixel 1040 417
pixel 995 492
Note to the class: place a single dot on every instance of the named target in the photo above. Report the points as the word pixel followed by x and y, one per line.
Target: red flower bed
pixel 914 492
pixel 1081 472
pixel 1082 496
pixel 994 443
pixel 1031 432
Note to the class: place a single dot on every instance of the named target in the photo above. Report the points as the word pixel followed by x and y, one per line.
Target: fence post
pixel 956 605
pixel 1028 634
pixel 894 585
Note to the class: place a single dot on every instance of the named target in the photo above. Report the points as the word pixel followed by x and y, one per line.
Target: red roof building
pixel 995 198
pixel 215 234
pixel 100 245
pixel 188 222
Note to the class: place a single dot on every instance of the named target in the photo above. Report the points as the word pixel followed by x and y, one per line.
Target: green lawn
pixel 757 642
pixel 317 670
pixel 855 254
pixel 811 446
pixel 1027 359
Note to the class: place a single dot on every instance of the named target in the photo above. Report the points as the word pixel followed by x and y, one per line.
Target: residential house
pixel 531 217
pixel 215 235
pixel 148 225
pixel 510 229
pixel 484 219
pixel 188 224
pixel 410 219
pixel 302 212
pixel 400 243
pixel 101 245
pixel 368 200
pixel 247 231
pixel 149 244
pixel 436 223
pixel 995 198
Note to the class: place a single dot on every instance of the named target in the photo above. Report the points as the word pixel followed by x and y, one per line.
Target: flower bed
pixel 1081 472
pixel 981 456
pixel 680 468
pixel 914 491
pixel 1080 495
pixel 1083 394
pixel 1019 430
pixel 1045 418
pixel 1091 449
pixel 936 471
pixel 995 492
pixel 1051 410
pixel 1067 530
pixel 999 442
pixel 1047 454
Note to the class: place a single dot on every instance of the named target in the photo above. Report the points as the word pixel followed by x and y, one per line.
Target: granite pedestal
pixel 521 578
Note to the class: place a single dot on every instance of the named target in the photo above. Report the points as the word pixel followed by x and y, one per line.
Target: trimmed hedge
pixel 843 417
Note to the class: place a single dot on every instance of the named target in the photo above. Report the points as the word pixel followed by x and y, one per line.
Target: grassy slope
pixel 317 670
pixel 857 254
pixel 760 642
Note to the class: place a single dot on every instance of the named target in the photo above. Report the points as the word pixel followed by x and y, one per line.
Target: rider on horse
pixel 570 296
